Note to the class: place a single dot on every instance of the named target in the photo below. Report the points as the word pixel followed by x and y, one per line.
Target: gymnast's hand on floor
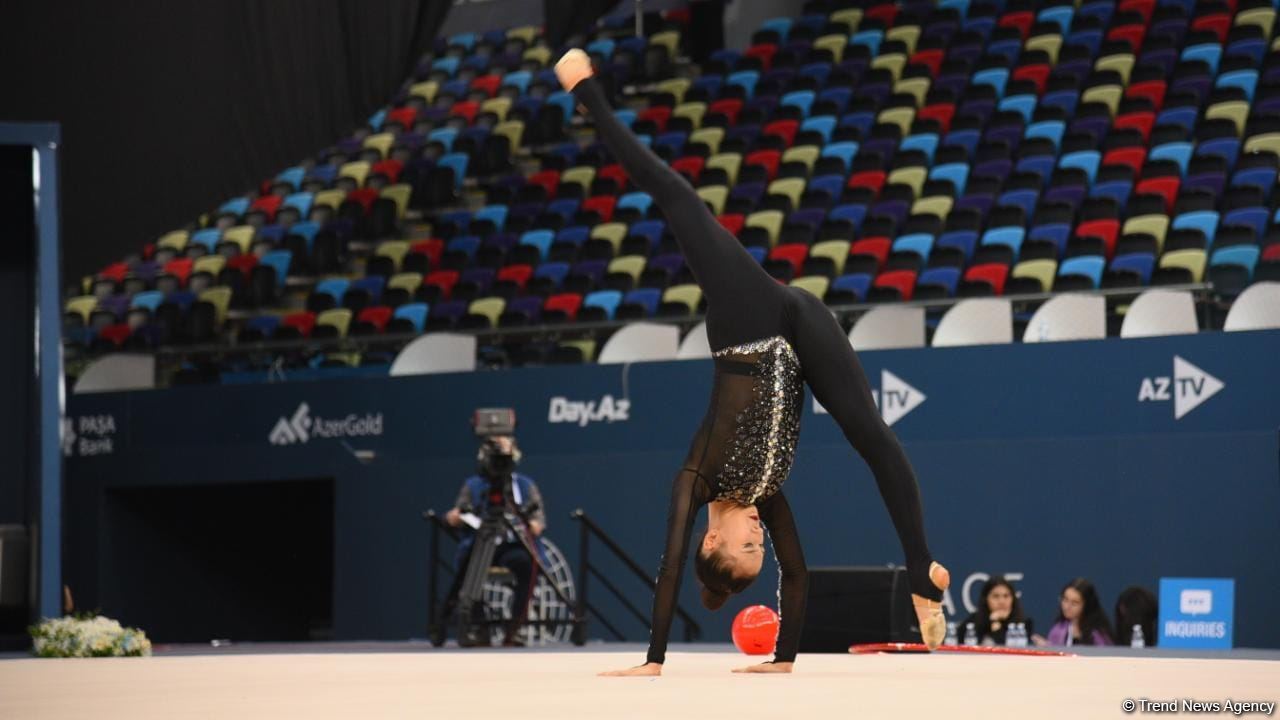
pixel 573 68
pixel 769 667
pixel 646 670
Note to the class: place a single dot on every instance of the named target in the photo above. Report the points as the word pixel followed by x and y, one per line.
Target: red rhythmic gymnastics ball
pixel 755 630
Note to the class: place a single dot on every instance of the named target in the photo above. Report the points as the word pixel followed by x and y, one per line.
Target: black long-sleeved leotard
pixel 768 340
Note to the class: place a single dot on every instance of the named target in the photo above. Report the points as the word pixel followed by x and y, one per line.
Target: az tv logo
pixel 895 398
pixel 1190 387
pixel 296 429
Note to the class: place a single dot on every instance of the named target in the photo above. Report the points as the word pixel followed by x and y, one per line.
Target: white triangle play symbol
pixel 897 398
pixel 1191 387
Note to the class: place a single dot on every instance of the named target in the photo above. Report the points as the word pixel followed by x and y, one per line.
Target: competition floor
pixel 410 680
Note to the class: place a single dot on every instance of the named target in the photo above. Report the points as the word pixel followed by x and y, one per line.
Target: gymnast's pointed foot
pixel 573 68
pixel 933 624
pixel 646 670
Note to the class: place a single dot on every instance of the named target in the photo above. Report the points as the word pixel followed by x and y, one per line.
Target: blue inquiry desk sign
pixel 1196 612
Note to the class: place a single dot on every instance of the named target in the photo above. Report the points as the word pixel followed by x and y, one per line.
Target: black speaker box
pixel 849 605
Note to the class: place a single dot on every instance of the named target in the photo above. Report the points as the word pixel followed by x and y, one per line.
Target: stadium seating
pixel 868 152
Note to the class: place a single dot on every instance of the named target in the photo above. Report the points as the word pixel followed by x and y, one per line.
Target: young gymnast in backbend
pixel 768 340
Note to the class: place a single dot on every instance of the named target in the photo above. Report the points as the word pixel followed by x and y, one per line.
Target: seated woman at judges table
pixel 997 608
pixel 1081 620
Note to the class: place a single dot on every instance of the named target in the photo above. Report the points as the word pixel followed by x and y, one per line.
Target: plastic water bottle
pixel 1138 640
pixel 970 635
pixel 1019 639
pixel 1011 635
pixel 952 637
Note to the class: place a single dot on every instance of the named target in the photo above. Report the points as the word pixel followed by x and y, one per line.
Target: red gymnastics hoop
pixel 868 648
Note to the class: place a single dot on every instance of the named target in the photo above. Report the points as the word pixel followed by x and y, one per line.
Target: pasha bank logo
pixel 895 398
pixel 1189 387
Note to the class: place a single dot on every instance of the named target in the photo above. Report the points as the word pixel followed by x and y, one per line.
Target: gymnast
pixel 768 340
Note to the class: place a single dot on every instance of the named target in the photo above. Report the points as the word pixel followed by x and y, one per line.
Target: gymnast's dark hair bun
pixel 713 600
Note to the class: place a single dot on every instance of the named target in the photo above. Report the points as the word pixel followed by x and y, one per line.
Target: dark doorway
pixel 244 561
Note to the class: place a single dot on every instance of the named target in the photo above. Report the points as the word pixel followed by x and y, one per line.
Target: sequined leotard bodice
pixel 747 441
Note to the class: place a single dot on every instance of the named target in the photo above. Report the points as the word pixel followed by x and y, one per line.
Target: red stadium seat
pixel 729 107
pixel 763 52
pixel 116 333
pixel 179 268
pixel 993 274
pixel 1133 157
pixel 1021 20
pixel 1152 90
pixel 876 247
pixel 601 205
pixel 768 159
pixel 433 248
pixel 244 262
pixel 690 167
pixel 567 303
pixel 1106 229
pixel 904 281
pixel 377 316
pixel 931 59
pixel 487 84
pixel 388 168
pixel 548 179
pixel 268 205
pixel 1037 74
pixel 1166 187
pixel 1142 7
pixel 1132 34
pixel 1218 24
pixel 405 117
pixel 365 196
pixel 785 129
pixel 794 253
pixel 303 321
pixel 466 109
pixel 942 113
pixel 885 13
pixel 518 274
pixel 657 115
pixel 615 173
pixel 732 222
pixel 873 179
pixel 1140 121
pixel 443 279
pixel 115 271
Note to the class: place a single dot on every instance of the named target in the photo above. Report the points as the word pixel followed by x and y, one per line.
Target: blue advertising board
pixel 1123 461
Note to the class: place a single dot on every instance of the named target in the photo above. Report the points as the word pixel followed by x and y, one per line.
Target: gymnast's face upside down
pixel 731 552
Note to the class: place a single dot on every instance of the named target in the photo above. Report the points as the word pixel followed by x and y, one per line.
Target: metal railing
pixel 587 528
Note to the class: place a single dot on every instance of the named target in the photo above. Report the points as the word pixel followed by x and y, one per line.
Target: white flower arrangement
pixel 90 636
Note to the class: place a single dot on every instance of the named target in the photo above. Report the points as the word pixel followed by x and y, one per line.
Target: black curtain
pixel 168 108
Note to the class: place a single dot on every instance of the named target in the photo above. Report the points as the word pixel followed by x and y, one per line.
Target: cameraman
pixel 496 463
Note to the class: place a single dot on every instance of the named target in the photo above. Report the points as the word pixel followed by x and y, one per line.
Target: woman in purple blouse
pixel 1081 620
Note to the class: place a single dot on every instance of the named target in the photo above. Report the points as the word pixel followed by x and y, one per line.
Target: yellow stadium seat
pixel 770 220
pixel 1044 270
pixel 715 196
pixel 689 294
pixel 815 284
pixel 220 299
pixel 339 318
pixel 176 239
pixel 490 307
pixel 729 162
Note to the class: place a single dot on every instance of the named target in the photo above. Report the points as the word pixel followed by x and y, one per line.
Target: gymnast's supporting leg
pixel 833 372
